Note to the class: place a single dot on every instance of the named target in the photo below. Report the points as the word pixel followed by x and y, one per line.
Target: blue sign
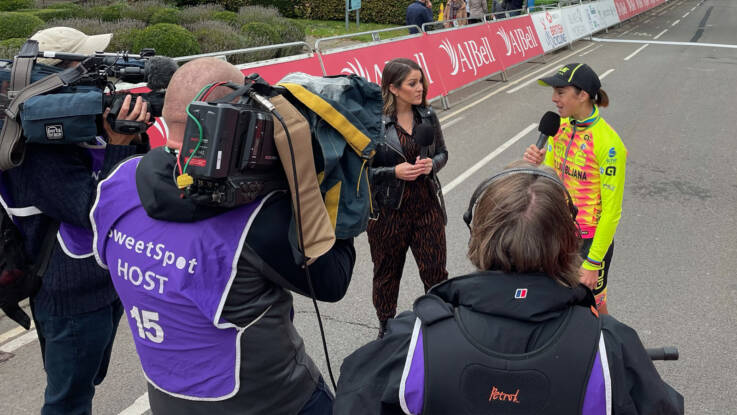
pixel 351 5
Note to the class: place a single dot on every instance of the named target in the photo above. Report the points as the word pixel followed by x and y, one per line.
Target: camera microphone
pixel 549 125
pixel 424 135
pixel 159 70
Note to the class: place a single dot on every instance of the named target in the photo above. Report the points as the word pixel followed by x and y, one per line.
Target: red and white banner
pixel 368 62
pixel 629 8
pixel 550 29
pixel 273 72
pixel 464 55
pixel 519 39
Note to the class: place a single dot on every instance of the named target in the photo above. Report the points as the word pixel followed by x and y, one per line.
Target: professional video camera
pixel 306 134
pixel 50 105
pixel 229 147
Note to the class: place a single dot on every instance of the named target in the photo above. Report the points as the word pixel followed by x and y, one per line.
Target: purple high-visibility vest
pixel 74 240
pixel 569 375
pixel 173 280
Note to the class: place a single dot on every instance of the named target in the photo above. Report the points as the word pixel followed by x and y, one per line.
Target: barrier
pixel 519 38
pixel 463 55
pixel 369 61
pixel 452 58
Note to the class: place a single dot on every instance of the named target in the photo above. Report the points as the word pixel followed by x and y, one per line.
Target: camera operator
pixel 213 327
pixel 520 335
pixel 76 311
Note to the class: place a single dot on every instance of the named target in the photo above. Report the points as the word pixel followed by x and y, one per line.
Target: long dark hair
pixel 395 71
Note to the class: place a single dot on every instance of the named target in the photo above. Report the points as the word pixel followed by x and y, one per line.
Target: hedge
pixel 13 5
pixel 166 15
pixel 168 40
pixel 51 14
pixel 10 47
pixel 18 25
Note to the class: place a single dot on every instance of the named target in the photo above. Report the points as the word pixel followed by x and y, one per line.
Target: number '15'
pixel 147 326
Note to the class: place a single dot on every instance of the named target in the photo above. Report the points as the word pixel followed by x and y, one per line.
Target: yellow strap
pixel 352 135
pixel 332 199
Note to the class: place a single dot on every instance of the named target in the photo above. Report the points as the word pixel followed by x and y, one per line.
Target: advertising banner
pixel 273 72
pixel 607 12
pixel 368 62
pixel 576 22
pixel 464 55
pixel 629 8
pixel 519 38
pixel 550 30
pixel 595 22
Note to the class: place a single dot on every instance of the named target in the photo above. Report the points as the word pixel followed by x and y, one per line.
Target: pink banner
pixel 629 8
pixel 519 39
pixel 464 55
pixel 274 72
pixel 368 62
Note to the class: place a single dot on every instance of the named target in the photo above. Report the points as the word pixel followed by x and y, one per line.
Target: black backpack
pixel 19 277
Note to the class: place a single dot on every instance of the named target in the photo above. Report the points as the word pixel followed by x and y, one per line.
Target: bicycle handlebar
pixel 663 353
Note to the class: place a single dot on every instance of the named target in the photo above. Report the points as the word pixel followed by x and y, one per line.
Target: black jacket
pixel 417 14
pixel 370 377
pixel 58 180
pixel 386 188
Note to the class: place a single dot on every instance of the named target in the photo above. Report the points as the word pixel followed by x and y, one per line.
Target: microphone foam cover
pixel 424 134
pixel 549 123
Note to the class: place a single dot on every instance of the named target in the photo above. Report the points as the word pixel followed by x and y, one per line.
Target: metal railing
pixel 226 53
pixel 375 35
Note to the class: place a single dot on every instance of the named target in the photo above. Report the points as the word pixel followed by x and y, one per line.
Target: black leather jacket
pixel 386 188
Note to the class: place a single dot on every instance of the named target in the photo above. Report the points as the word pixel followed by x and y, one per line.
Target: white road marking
pixel 675 23
pixel 12 333
pixel 491 94
pixel 449 123
pixel 684 16
pixel 139 406
pixel 19 342
pixel 476 167
pixel 664 42
pixel 631 55
pixel 606 73
pixel 660 34
pixel 589 51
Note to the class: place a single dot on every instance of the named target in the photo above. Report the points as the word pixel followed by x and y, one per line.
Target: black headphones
pixel 468 215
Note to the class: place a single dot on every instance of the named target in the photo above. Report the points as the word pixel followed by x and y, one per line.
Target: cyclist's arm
pixel 611 156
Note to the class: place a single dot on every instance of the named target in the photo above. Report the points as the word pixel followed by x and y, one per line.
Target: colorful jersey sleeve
pixel 611 155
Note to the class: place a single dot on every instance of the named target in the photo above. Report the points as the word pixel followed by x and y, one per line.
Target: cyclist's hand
pixel 534 155
pixel 588 277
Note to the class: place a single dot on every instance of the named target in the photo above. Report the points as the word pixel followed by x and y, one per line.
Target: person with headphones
pixel 591 160
pixel 520 335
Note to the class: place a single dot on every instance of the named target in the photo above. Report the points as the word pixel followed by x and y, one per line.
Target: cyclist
pixel 590 159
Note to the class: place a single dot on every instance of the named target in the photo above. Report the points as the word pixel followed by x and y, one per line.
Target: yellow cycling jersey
pixel 591 160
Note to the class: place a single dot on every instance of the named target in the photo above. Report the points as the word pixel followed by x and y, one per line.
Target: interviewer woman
pixel 411 210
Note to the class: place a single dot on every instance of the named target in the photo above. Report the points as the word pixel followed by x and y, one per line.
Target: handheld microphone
pixel 549 125
pixel 424 135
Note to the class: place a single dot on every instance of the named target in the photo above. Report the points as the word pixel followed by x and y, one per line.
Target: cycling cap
pixel 579 75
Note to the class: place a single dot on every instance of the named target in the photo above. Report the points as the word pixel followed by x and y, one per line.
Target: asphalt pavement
pixel 672 276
